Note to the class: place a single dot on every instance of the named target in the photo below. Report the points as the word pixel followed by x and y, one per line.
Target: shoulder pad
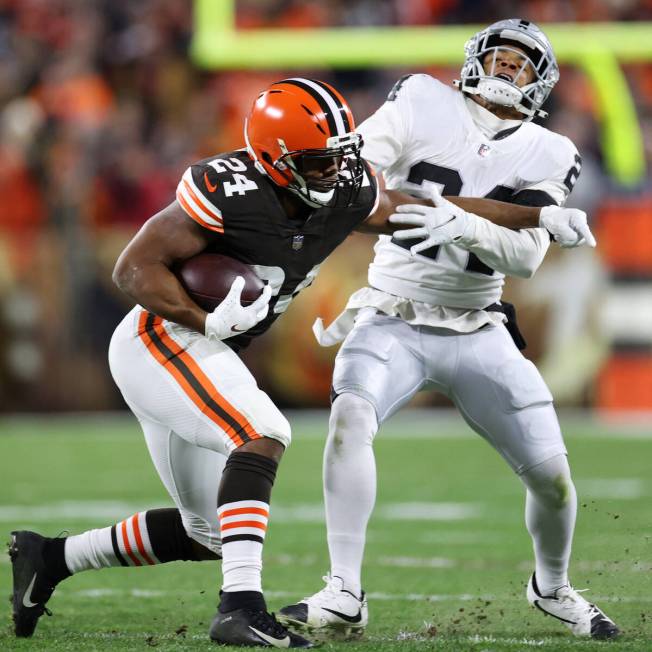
pixel 553 155
pixel 195 197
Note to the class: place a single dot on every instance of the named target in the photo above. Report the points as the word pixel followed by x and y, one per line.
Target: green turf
pixel 470 571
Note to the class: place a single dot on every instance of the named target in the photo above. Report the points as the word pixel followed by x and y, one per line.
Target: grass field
pixel 449 575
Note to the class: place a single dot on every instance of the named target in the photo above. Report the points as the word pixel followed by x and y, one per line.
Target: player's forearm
pixel 511 216
pixel 157 289
pixel 514 253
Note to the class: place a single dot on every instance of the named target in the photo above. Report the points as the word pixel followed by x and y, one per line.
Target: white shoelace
pixel 328 590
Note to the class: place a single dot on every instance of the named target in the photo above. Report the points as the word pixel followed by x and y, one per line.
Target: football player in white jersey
pixel 431 316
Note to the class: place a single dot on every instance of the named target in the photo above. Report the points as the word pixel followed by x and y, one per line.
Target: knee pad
pixel 352 418
pixel 551 481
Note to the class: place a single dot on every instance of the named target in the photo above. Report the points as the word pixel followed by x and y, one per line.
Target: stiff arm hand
pixel 231 318
pixel 435 225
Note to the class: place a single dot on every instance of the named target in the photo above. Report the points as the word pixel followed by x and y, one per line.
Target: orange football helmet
pixel 301 133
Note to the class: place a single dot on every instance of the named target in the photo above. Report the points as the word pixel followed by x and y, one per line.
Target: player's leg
pixel 243 503
pixel 503 397
pixel 210 399
pixel 377 370
pixel 550 513
pixel 349 475
pixel 187 532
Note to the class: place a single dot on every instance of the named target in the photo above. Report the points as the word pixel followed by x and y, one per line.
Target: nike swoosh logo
pixel 349 619
pixel 276 642
pixel 549 613
pixel 28 594
pixel 235 329
pixel 211 186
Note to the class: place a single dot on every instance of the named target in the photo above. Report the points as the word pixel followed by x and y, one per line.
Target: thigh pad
pixel 375 363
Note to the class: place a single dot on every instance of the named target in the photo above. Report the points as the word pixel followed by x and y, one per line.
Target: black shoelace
pixel 266 622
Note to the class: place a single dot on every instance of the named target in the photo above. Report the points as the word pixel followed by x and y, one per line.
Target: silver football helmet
pixel 532 45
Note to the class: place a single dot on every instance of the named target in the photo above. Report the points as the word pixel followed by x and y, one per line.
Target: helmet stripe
pixel 325 101
pixel 340 106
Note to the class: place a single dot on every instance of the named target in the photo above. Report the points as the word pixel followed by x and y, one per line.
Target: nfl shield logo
pixel 297 242
pixel 483 150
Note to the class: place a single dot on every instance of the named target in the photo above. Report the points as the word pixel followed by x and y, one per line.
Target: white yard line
pixel 96 593
pixel 485 564
pixel 110 511
pixel 611 488
pixel 413 423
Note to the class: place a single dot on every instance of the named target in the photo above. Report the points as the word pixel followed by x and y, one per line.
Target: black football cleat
pixel 33 586
pixel 249 628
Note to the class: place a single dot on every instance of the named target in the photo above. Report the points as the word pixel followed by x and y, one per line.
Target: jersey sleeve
pixel 196 193
pixel 514 253
pixel 385 133
pixel 563 166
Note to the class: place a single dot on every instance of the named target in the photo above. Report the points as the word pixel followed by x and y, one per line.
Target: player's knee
pixel 199 529
pixel 282 432
pixel 278 430
pixel 562 488
pixel 551 482
pixel 352 418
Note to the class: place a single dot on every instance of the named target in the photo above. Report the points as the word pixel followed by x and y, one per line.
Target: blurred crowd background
pixel 101 110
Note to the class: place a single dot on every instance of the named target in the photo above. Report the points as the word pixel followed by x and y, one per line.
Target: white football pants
pixel 196 402
pixel 497 390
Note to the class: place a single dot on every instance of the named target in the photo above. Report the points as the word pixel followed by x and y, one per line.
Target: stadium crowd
pixel 101 110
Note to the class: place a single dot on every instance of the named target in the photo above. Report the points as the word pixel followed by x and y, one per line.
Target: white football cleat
pixel 332 613
pixel 579 615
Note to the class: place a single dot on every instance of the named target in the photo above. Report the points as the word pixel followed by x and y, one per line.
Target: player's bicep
pixel 167 237
pixel 388 200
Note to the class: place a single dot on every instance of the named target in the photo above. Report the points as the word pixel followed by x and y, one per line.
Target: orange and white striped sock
pixel 243 512
pixel 144 539
pixel 243 525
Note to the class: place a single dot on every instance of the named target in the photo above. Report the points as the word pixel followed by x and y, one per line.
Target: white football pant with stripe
pixel 196 402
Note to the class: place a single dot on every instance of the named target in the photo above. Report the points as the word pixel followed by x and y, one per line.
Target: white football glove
pixel 568 226
pixel 231 318
pixel 442 224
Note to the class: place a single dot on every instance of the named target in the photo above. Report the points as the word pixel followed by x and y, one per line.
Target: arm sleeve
pixel 195 194
pixel 514 253
pixel 387 130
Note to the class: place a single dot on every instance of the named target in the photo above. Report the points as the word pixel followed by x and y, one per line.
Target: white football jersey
pixel 428 134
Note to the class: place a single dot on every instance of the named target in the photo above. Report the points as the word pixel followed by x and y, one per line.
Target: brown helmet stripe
pixel 340 106
pixel 320 99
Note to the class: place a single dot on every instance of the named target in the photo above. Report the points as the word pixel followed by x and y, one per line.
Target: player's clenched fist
pixel 568 226
pixel 231 317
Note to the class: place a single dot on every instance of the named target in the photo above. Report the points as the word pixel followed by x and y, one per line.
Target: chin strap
pixel 528 114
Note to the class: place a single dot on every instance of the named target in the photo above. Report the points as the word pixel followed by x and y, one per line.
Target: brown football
pixel 207 278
